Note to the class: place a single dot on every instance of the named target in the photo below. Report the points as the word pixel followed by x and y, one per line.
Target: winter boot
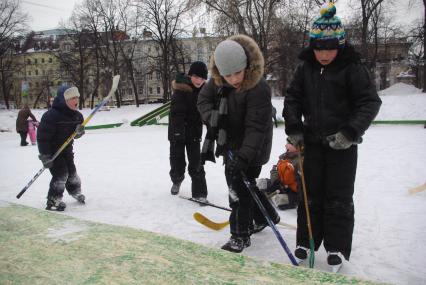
pixel 258 228
pixel 202 201
pixel 79 197
pixel 175 188
pixel 301 253
pixel 236 244
pixel 55 204
pixel 334 259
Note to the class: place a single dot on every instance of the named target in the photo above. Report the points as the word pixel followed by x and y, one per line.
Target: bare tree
pixel 12 23
pixel 162 21
pixel 251 17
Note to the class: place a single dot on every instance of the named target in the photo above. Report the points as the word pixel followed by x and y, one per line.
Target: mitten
pixel 79 130
pixel 339 141
pixel 235 166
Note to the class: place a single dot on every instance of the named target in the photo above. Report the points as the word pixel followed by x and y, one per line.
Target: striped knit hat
pixel 327 31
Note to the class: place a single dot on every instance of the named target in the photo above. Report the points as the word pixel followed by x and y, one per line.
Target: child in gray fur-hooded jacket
pixel 235 104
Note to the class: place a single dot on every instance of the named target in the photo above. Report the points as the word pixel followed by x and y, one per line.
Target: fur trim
pixel 254 71
pixel 181 86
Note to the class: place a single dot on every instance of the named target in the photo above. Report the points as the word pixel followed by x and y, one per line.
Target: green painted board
pixel 42 247
pixel 142 120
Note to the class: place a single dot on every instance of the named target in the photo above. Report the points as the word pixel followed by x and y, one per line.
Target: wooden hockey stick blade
pixel 219 226
pixel 417 189
pixel 209 223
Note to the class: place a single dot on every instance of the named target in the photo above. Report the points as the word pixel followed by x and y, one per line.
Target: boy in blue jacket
pixel 56 125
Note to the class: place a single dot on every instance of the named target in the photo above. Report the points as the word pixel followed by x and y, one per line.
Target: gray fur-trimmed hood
pixel 256 63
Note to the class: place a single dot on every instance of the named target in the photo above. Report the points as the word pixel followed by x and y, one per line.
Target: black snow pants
pixel 330 177
pixel 64 176
pixel 244 208
pixel 195 168
pixel 23 138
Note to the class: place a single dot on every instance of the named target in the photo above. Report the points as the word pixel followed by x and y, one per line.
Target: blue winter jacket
pixel 56 125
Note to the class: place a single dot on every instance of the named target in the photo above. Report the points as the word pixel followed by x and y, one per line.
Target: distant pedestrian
pixel 32 131
pixel 185 130
pixel 22 124
pixel 56 126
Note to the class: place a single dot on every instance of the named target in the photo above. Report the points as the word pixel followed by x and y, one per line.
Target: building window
pixel 42 60
pixel 158 75
pixel 35 60
pixel 158 90
pixel 28 61
pixel 36 72
pixel 150 90
pixel 50 60
pixel 29 73
pixel 150 76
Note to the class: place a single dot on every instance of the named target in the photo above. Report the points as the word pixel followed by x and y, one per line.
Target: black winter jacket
pixel 337 97
pixel 185 123
pixel 56 125
pixel 249 126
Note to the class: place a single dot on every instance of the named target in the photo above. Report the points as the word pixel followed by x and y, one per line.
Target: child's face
pixel 235 79
pixel 325 57
pixel 72 103
pixel 197 81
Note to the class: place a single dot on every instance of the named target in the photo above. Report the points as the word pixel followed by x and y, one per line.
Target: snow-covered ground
pixel 124 172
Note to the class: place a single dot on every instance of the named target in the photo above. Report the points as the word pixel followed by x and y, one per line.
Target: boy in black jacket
pixel 185 130
pixel 56 125
pixel 333 92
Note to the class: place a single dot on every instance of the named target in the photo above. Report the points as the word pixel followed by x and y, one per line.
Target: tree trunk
pixel 424 46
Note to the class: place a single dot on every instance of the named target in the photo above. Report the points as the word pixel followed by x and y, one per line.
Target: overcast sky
pixel 46 14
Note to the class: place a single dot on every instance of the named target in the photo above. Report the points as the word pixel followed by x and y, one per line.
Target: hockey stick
pixel 308 216
pixel 205 203
pixel 417 189
pixel 267 217
pixel 115 81
pixel 219 226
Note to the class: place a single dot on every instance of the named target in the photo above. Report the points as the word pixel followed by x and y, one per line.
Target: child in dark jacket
pixel 284 182
pixel 334 94
pixel 56 126
pixel 185 130
pixel 235 104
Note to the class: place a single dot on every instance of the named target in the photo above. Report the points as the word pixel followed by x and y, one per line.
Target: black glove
pixel 295 139
pixel 79 130
pixel 339 141
pixel 235 166
pixel 46 159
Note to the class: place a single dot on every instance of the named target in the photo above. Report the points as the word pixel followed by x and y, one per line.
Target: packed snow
pixel 124 174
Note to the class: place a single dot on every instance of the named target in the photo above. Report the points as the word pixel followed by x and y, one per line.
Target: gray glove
pixel 79 130
pixel 46 159
pixel 296 139
pixel 339 141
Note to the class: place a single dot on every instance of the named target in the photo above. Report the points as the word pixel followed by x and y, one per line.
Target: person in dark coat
pixel 56 126
pixel 235 104
pixel 334 94
pixel 22 123
pixel 185 130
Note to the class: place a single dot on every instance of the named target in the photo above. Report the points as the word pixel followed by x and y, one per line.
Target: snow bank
pixel 400 89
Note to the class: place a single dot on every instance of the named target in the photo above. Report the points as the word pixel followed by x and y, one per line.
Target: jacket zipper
pixel 320 102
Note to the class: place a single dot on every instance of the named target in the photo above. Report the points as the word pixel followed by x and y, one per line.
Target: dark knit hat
pixel 198 68
pixel 327 31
